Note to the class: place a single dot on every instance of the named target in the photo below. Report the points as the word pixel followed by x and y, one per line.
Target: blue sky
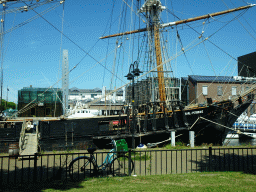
pixel 32 52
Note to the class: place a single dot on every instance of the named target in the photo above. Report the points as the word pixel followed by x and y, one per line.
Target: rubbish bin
pixel 14 150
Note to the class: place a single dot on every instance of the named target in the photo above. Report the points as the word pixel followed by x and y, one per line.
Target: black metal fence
pixel 48 167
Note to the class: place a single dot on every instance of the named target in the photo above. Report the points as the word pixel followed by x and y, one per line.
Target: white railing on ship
pixel 245 126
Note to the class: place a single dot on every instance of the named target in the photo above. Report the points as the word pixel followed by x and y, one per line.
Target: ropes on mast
pixel 240 22
pixel 2 56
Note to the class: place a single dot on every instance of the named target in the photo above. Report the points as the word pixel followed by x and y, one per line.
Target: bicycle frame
pixel 108 160
pixel 95 169
pixel 111 155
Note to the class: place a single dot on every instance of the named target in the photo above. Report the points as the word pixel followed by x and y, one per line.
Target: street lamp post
pixel 130 76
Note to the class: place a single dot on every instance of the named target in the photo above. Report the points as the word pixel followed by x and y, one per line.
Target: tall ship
pixel 154 106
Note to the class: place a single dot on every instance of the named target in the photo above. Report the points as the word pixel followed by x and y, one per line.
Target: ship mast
pixel 154 8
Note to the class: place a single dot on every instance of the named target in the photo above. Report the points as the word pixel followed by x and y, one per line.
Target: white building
pixel 88 95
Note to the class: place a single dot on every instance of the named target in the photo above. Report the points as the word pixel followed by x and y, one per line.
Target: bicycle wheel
pixel 120 166
pixel 81 168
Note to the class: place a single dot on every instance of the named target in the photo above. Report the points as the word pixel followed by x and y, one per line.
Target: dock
pixel 29 139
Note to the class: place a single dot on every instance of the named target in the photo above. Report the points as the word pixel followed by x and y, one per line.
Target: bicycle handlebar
pixel 113 142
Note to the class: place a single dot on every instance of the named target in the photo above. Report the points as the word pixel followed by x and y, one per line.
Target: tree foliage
pixel 7 105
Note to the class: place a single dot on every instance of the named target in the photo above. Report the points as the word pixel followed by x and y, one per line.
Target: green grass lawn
pixel 207 181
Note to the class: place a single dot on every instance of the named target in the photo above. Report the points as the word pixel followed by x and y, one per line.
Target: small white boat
pixel 80 113
pixel 240 135
pixel 232 136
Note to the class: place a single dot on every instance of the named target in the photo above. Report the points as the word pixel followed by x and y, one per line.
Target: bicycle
pixel 116 163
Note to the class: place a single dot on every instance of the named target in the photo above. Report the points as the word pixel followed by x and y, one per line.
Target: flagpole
pixel 7 98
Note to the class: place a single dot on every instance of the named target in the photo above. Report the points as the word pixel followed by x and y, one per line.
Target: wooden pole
pixel 161 83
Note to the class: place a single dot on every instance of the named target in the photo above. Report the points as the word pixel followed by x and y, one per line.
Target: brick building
pixel 217 88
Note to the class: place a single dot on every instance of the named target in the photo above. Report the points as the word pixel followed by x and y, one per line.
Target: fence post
pixel 173 138
pixel 192 138
pixel 35 169
pixel 129 161
pixel 210 157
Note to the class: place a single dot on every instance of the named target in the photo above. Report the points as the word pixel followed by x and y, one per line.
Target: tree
pixel 11 105
pixel 7 105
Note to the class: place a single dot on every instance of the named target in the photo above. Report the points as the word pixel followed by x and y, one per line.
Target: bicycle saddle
pixel 91 150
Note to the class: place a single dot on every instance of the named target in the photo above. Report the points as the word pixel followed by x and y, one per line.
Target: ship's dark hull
pixel 9 134
pixel 210 124
pixel 216 131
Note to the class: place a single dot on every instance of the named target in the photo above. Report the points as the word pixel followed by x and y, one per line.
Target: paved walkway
pixel 30 144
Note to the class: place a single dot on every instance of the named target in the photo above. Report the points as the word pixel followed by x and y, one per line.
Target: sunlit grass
pixel 213 181
pixel 181 145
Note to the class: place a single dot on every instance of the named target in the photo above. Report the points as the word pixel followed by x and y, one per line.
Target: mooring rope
pixel 223 126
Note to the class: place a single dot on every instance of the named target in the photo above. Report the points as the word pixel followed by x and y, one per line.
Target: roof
pixel 74 89
pixel 184 78
pixel 33 89
pixel 95 90
pixel 222 79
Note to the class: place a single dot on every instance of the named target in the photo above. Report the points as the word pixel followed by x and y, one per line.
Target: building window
pixel 234 90
pixel 219 91
pixel 205 90
pixel 47 111
pixel 33 111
